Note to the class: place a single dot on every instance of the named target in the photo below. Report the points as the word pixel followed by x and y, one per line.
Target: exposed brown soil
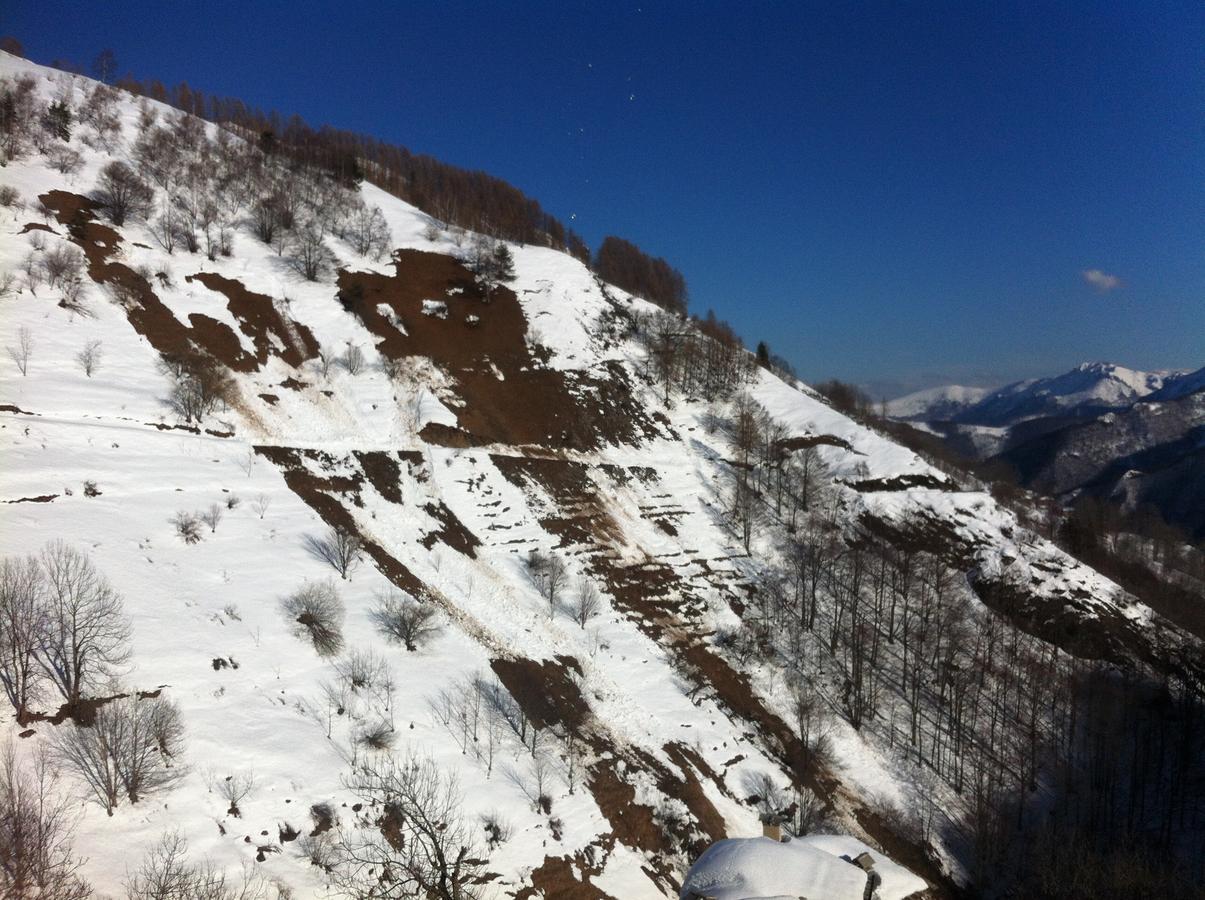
pixel 220 342
pixel 550 698
pixel 447 436
pixel 260 320
pixel 451 530
pixel 510 396
pixel 43 498
pixel 383 473
pixel 789 445
pixel 36 226
pixel 82 713
pixel 146 313
pixel 585 518
pixel 325 497
pixel 8 407
pixel 902 483
pixel 556 879
pixel 546 691
pixel 153 320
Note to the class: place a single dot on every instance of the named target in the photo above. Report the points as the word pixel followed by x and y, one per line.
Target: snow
pixel 935 403
pixel 812 867
pixel 1088 385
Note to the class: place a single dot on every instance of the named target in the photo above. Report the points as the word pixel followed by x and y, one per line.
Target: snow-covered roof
pixel 812 867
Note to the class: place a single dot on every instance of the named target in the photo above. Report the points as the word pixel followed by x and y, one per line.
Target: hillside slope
pixel 457 431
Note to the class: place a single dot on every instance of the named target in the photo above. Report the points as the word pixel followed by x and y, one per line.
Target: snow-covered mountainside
pixel 1088 388
pixel 1151 453
pixel 935 404
pixel 565 580
pixel 1180 386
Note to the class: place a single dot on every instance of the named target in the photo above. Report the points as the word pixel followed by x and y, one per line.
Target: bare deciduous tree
pixel 413 830
pixel 188 527
pixel 85 638
pixel 122 192
pixel 308 253
pixel 21 353
pixel 352 360
pixel 166 874
pixel 405 620
pixel 36 826
pixel 339 547
pixel 89 357
pixel 131 749
pixel 234 789
pixel 200 385
pixel 22 623
pixel 316 607
pixel 61 264
pixel 369 232
pixel 587 603
pixel 212 516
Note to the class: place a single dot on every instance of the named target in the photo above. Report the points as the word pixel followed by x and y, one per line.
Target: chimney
pixel 771 827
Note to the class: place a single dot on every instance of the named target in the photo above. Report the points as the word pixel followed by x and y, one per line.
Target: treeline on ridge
pixel 470 199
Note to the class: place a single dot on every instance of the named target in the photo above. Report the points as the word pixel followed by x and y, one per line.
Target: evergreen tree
pixel 57 120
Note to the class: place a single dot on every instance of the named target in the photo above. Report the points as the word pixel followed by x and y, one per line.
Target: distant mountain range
pixel 1088 389
pixel 935 404
pixel 1103 429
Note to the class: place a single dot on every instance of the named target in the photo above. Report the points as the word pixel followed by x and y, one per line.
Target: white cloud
pixel 1102 281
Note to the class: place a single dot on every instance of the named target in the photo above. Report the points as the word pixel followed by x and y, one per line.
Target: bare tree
pixel 587 604
pixel 64 159
pixel 200 385
pixel 339 547
pixel 261 504
pixel 555 577
pixel 234 789
pixel 369 232
pixel 89 357
pixel 166 874
pixel 122 192
pixel 63 263
pixel 32 267
pixel 130 749
pixel 212 516
pixel 535 784
pixel 412 839
pixel 316 607
pixel 188 527
pixel 104 66
pixel 405 620
pixel 21 353
pixel 37 822
pixel 363 670
pixel 22 623
pixel 85 637
pixel 352 360
pixel 309 255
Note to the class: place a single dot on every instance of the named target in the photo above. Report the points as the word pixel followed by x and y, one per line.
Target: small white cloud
pixel 1102 281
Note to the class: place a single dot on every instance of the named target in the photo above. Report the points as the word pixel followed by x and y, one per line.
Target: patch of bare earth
pixel 510 396
pixel 256 314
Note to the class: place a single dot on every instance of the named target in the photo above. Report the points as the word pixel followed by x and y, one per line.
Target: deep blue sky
pixel 897 194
